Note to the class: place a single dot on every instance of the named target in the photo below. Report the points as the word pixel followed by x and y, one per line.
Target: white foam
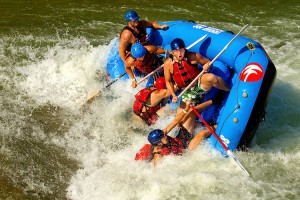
pixel 105 138
pixel 66 74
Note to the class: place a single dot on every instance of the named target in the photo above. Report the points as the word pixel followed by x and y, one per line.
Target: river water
pixel 53 54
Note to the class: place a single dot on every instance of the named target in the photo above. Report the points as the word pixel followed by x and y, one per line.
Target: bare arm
pixel 157 96
pixel 129 64
pixel 164 93
pixel 156 156
pixel 168 66
pixel 204 61
pixel 125 41
pixel 178 119
pixel 204 105
pixel 198 58
pixel 185 113
pixel 154 49
pixel 150 24
pixel 129 71
pixel 200 107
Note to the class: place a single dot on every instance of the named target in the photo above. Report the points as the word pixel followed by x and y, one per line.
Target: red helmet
pixel 160 83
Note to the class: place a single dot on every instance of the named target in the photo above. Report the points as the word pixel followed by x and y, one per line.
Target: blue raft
pixel 244 65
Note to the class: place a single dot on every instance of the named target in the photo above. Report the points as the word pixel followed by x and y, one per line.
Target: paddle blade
pixel 91 97
pixel 230 154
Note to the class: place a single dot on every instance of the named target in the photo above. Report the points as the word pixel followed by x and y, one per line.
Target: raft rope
pixel 237 102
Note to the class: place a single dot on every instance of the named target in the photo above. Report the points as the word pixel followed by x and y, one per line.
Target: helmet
pixel 138 50
pixel 131 15
pixel 155 136
pixel 160 83
pixel 177 43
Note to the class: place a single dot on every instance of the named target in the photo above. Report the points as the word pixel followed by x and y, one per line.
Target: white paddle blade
pixel 230 154
pixel 90 97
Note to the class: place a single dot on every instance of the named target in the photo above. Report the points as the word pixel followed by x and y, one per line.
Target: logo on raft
pixel 225 140
pixel 252 72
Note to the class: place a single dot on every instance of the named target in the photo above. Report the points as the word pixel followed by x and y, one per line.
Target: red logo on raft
pixel 252 72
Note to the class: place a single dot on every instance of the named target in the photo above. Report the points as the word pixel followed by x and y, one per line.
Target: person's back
pixel 150 100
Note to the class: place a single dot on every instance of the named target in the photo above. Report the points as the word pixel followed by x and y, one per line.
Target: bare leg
pixel 210 80
pixel 220 84
pixel 189 123
pixel 198 139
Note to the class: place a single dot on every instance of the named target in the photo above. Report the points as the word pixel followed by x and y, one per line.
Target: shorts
pixel 194 94
pixel 184 136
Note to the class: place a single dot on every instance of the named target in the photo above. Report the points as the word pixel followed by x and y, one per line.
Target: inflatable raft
pixel 244 65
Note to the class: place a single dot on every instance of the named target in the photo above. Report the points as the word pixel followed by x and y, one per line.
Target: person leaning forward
pixel 150 100
pixel 135 31
pixel 145 59
pixel 161 144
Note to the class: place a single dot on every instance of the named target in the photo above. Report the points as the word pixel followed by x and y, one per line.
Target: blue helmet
pixel 155 136
pixel 138 50
pixel 177 43
pixel 131 15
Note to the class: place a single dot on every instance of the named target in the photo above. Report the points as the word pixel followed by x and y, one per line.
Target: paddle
pixel 229 153
pixel 211 62
pixel 115 79
pixel 193 44
pixel 94 94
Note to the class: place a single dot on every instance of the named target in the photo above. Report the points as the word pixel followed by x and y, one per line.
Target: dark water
pixel 53 53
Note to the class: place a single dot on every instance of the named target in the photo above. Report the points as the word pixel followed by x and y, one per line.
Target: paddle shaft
pixel 213 60
pixel 116 79
pixel 229 153
pixel 209 128
pixel 193 44
pixel 229 43
pixel 144 78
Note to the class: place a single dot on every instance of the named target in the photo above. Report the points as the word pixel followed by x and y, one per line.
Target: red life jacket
pixel 149 63
pixel 144 153
pixel 184 73
pixel 173 146
pixel 149 116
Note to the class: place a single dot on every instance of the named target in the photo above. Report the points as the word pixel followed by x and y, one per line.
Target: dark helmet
pixel 155 136
pixel 177 43
pixel 131 15
pixel 160 83
pixel 138 50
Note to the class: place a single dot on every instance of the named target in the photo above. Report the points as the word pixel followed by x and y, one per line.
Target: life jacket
pixel 185 72
pixel 144 153
pixel 174 146
pixel 149 63
pixel 149 116
pixel 140 37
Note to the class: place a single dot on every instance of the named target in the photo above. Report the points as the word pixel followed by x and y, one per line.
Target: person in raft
pixel 150 100
pixel 182 68
pixel 161 144
pixel 135 31
pixel 145 59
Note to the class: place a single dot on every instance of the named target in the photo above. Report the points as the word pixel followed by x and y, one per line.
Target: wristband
pixel 133 79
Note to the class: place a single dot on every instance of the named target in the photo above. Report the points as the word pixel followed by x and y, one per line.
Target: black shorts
pixel 184 136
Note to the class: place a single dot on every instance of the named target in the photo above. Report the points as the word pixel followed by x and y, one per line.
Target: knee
pixel 211 78
pixel 200 134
